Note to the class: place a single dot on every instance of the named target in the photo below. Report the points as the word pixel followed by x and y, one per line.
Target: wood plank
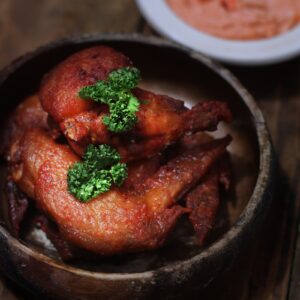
pixel 277 91
pixel 26 24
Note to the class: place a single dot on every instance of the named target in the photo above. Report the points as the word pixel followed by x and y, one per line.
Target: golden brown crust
pixel 33 149
pixel 29 114
pixel 119 220
pixel 59 89
pixel 140 214
pixel 161 119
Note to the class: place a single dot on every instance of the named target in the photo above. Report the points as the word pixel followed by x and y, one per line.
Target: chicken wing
pixel 204 202
pixel 59 89
pixel 120 220
pixel 29 114
pixel 161 119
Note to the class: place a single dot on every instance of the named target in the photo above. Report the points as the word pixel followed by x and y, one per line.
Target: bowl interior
pixel 164 70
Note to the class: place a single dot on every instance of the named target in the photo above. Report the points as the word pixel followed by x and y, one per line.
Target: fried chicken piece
pixel 204 202
pixel 18 204
pixel 140 170
pixel 159 126
pixel 230 5
pixel 29 114
pixel 162 120
pixel 204 199
pixel 118 221
pixel 59 88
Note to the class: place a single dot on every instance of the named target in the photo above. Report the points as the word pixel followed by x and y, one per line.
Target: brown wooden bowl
pixel 180 267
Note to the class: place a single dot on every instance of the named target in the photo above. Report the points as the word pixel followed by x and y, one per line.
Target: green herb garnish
pixel 116 93
pixel 99 170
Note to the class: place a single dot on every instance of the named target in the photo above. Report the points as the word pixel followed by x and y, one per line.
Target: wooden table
pixel 275 271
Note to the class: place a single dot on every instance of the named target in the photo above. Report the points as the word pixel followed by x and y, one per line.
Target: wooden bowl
pixel 180 267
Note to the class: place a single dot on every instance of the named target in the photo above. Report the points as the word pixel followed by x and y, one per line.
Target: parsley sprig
pixel 99 170
pixel 116 93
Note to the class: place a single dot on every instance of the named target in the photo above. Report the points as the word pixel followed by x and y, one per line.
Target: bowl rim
pixel 250 52
pixel 265 158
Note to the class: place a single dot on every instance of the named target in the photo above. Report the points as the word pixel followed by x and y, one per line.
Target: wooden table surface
pixel 275 271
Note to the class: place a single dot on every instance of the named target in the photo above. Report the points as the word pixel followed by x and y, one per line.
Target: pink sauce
pixel 239 19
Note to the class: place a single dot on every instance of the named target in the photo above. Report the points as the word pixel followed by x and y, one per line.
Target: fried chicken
pixel 120 220
pixel 139 214
pixel 161 120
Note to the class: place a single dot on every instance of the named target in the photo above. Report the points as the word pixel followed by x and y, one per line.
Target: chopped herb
pixel 116 93
pixel 99 170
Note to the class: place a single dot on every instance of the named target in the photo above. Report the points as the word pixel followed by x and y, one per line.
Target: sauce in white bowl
pixel 241 52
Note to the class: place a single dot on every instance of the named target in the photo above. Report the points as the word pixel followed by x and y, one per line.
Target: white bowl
pixel 254 52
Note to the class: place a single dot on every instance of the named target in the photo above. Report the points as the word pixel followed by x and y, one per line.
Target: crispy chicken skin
pixel 29 114
pixel 59 89
pixel 204 199
pixel 120 220
pixel 140 214
pixel 161 119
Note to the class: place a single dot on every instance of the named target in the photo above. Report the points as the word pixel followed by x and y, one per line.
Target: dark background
pixel 275 273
